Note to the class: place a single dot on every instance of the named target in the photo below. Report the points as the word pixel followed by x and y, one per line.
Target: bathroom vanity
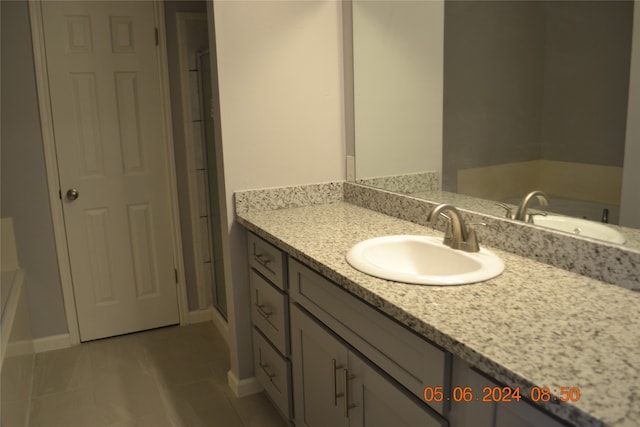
pixel 334 346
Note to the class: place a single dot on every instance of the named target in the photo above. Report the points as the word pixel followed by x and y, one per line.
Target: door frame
pixel 52 170
pixel 182 19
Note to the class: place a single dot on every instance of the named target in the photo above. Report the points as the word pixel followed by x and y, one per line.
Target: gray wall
pixel 492 96
pixel 538 91
pixel 585 100
pixel 24 193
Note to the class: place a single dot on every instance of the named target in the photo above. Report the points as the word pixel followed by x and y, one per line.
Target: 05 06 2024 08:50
pixel 502 394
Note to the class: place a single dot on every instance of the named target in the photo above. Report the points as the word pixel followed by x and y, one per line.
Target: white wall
pixel 630 204
pixel 398 126
pixel 24 185
pixel 281 102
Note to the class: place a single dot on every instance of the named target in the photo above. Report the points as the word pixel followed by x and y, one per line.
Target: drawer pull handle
pixel 262 259
pixel 334 392
pixel 345 378
pixel 267 370
pixel 264 312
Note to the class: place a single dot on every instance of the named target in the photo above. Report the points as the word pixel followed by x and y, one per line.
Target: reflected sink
pixel 422 260
pixel 581 227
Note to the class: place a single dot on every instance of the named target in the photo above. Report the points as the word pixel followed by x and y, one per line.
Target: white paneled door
pixel 106 98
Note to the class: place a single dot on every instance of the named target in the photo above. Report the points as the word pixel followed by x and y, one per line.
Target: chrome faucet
pixel 521 214
pixel 457 235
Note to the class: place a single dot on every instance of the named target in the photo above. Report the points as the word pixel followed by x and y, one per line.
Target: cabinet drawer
pixel 274 373
pixel 409 359
pixel 268 260
pixel 270 311
pixel 514 413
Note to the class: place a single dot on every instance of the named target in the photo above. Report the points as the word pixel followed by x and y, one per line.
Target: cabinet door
pixel 407 358
pixel 491 414
pixel 318 358
pixel 375 401
pixel 522 414
pixel 474 413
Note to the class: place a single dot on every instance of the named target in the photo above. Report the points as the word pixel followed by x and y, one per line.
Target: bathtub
pixel 14 314
pixel 16 348
pixel 576 208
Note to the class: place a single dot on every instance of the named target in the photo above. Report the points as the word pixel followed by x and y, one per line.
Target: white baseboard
pixel 199 316
pixel 245 387
pixel 56 342
pixel 210 315
pixel 53 342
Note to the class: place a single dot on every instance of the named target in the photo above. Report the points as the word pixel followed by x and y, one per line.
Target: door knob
pixel 72 194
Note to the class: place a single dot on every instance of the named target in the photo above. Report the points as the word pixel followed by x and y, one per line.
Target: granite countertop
pixel 534 325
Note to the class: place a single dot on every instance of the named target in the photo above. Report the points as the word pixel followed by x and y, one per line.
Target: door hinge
pixel 157 37
pixel 175 271
pixel 60 194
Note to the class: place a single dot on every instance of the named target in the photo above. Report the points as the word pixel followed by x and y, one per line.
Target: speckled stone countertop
pixel 535 325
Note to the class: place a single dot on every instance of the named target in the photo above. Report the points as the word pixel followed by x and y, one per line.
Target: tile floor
pixel 170 377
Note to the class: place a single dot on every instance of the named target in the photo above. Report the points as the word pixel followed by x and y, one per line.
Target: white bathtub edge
pixel 8 316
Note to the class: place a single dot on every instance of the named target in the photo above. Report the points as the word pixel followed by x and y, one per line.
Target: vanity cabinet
pixel 353 366
pixel 319 361
pixel 270 319
pixel 334 386
pixel 326 358
pixel 493 413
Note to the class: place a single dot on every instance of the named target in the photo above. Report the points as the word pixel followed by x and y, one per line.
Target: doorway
pixel 101 72
pixel 200 209
pixel 219 292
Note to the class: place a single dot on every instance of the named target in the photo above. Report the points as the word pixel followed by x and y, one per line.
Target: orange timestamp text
pixel 502 394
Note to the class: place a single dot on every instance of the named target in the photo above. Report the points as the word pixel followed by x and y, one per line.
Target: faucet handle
pixel 448 231
pixel 472 244
pixel 508 209
pixel 531 215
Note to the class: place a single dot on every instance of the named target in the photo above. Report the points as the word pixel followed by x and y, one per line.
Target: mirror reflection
pixel 477 102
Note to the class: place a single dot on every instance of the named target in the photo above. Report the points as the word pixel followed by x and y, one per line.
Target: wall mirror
pixel 478 102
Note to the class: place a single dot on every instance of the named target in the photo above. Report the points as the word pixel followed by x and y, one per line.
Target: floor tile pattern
pixel 169 377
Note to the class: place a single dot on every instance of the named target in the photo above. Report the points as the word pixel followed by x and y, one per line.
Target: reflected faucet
pixel 521 214
pixel 458 235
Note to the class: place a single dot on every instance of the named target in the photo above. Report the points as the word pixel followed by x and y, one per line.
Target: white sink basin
pixel 581 227
pixel 422 260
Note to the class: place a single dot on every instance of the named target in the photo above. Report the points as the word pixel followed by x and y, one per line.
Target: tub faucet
pixel 521 214
pixel 457 235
